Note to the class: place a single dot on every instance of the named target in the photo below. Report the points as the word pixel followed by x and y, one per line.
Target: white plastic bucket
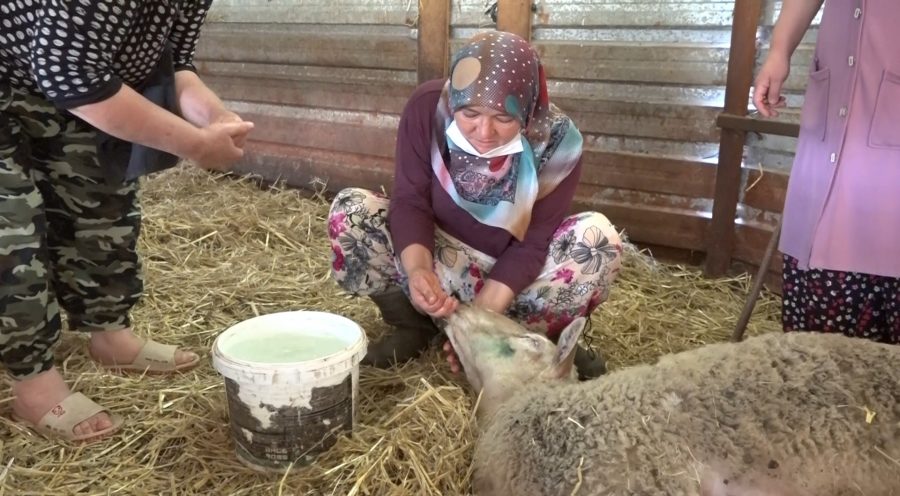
pixel 289 402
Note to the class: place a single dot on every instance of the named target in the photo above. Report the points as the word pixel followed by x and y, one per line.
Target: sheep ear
pixel 564 359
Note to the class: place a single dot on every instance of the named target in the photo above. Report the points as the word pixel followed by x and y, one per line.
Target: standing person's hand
pixel 228 116
pixel 767 95
pixel 427 295
pixel 217 149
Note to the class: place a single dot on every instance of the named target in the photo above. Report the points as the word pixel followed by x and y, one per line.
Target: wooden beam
pixel 768 191
pixel 514 16
pixel 648 173
pixel 434 40
pixel 306 168
pixel 741 59
pixel 675 228
pixel 381 98
pixel 276 45
pixel 744 123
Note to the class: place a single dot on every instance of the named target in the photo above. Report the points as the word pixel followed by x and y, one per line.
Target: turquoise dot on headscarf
pixel 512 106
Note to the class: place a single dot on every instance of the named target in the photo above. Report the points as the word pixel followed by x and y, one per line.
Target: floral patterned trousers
pixel 584 260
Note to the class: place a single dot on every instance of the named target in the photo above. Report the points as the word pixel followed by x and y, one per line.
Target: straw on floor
pixel 219 250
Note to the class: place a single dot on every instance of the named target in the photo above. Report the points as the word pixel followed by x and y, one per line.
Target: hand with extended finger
pixel 228 116
pixel 427 295
pixel 217 149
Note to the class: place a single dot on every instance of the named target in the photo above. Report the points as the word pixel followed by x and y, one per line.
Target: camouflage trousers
pixel 67 235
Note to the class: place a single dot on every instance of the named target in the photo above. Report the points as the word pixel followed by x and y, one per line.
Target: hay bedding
pixel 217 251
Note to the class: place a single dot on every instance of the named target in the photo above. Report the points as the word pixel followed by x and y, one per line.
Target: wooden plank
pixel 380 98
pixel 618 196
pixel 751 241
pixel 648 173
pixel 744 123
pixel 642 119
pixel 587 14
pixel 514 16
pixel 366 12
pixel 690 64
pixel 310 168
pixel 768 190
pixel 741 63
pixel 335 136
pixel 279 45
pixel 434 40
pixel 638 71
pixel 675 228
pixel 347 75
pixel 628 52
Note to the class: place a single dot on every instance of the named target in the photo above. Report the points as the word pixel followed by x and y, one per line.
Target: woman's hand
pixel 494 296
pixel 229 116
pixel 216 149
pixel 767 95
pixel 427 295
pixel 792 23
pixel 452 358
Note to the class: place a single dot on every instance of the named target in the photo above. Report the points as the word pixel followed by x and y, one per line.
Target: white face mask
pixel 456 136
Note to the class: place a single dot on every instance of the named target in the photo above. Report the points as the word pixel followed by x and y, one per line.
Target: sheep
pixel 781 414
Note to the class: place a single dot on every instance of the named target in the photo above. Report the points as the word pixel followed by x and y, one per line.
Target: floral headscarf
pixel 503 71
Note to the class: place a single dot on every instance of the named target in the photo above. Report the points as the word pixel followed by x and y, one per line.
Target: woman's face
pixel 486 128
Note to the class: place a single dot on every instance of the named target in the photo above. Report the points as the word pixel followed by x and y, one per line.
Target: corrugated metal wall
pixel 644 81
pixel 325 81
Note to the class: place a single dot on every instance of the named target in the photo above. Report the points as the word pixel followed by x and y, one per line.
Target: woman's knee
pixel 602 223
pixel 595 231
pixel 352 200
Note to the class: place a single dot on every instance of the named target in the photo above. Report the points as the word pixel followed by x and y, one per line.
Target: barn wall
pixel 644 81
pixel 325 81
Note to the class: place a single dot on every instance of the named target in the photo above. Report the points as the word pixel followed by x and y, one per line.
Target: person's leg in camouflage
pixel 94 225
pixel 29 314
pixel 64 233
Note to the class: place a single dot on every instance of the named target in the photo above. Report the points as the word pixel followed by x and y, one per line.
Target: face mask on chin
pixel 456 136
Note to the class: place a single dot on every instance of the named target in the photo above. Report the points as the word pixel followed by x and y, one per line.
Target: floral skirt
pixel 584 260
pixel 854 304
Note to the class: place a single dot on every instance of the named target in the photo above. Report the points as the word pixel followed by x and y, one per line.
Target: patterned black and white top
pixel 77 52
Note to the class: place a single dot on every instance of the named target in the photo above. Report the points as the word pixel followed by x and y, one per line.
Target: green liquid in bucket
pixel 286 347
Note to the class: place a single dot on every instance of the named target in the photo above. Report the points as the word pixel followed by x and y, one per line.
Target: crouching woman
pixel 486 171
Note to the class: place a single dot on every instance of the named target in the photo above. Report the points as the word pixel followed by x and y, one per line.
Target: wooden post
pixel 514 16
pixel 720 238
pixel 433 40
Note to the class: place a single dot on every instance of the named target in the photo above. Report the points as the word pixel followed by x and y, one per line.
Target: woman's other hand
pixel 228 116
pixel 428 296
pixel 217 149
pixel 767 95
pixel 452 358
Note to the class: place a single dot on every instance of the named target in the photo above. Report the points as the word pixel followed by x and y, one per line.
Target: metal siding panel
pixel 354 12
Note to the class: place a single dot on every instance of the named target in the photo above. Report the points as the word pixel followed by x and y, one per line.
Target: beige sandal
pixel 154 358
pixel 61 420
